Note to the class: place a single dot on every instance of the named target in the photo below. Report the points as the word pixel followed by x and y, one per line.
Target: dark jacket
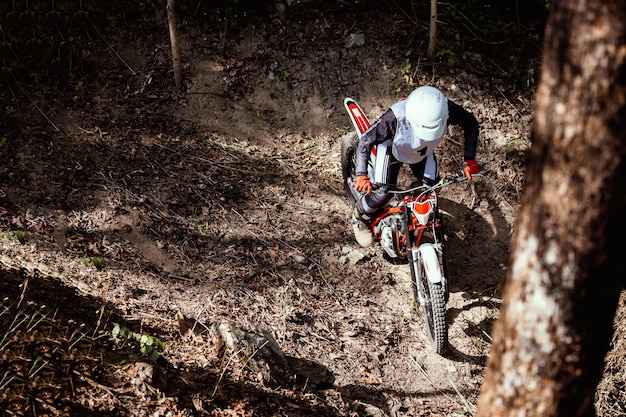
pixel 385 129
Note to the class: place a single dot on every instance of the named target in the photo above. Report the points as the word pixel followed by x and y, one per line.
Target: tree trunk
pixel 568 264
pixel 432 33
pixel 176 59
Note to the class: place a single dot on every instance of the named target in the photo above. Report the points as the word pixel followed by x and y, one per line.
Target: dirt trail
pixel 225 203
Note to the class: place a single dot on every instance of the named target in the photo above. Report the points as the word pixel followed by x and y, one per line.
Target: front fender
pixel 431 262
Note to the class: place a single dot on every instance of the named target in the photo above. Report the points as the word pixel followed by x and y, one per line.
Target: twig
pixel 111 48
pixel 456 142
pixel 470 408
pixel 35 104
pixel 25 284
pixel 7 378
pixel 501 194
pixel 110 391
pixel 423 371
pixel 224 165
pixel 284 243
pixel 223 369
pixel 507 100
pixel 245 364
pixel 197 8
pixel 181 278
pixel 469 29
pixel 102 309
pixel 17 102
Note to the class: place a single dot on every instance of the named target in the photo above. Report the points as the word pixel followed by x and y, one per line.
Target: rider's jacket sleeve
pixel 461 117
pixel 383 129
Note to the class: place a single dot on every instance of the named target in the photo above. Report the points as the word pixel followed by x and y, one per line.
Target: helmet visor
pixel 431 131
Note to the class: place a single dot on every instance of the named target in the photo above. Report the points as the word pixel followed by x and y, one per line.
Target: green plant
pixel 407 73
pixel 282 74
pixel 6 379
pixel 204 227
pixel 187 242
pixel 37 366
pixel 96 261
pixel 148 345
pixel 480 345
pixel 515 146
pixel 453 58
pixel 17 235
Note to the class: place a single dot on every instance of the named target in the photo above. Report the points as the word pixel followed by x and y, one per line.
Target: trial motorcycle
pixel 409 227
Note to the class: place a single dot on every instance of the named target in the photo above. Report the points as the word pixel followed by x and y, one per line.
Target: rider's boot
pixel 361 227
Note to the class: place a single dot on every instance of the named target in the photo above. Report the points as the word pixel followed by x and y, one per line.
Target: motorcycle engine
pixel 391 231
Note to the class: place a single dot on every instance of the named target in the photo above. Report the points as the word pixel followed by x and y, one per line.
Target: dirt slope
pixel 224 203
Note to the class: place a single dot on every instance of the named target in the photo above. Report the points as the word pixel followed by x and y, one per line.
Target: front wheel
pixel 432 298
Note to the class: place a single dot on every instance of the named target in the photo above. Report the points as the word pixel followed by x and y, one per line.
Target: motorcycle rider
pixel 408 132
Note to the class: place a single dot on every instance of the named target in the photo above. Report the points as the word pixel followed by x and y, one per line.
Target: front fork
pixel 416 263
pixel 413 256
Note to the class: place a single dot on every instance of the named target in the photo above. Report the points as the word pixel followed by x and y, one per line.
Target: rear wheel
pixel 349 144
pixel 434 305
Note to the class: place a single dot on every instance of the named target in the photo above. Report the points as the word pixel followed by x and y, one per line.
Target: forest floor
pixel 130 205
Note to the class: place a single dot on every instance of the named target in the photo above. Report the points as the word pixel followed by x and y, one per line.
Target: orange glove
pixel 363 184
pixel 470 167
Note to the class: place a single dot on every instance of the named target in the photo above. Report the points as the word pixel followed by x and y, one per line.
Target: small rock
pixel 141 374
pixel 367 410
pixel 310 375
pixel 355 40
pixel 355 257
pixel 299 258
pixel 459 92
pixel 258 350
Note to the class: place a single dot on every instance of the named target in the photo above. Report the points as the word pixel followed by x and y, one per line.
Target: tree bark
pixel 432 33
pixel 176 59
pixel 568 265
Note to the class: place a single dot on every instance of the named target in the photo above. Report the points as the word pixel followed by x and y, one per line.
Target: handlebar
pixel 444 181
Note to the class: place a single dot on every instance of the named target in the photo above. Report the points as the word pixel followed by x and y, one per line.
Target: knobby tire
pixel 434 309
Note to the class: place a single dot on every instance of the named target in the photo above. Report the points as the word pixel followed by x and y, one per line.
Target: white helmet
pixel 427 111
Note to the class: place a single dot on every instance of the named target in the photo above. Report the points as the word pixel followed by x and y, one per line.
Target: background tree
pixel 432 32
pixel 568 260
pixel 176 59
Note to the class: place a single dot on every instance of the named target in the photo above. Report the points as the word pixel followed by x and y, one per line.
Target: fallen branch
pixel 111 48
pixel 35 105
